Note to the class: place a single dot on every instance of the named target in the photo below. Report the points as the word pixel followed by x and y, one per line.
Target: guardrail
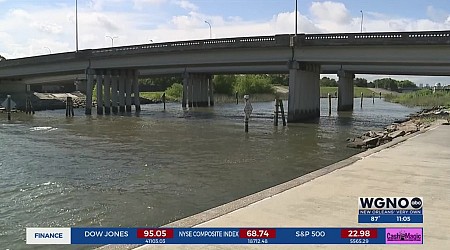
pixel 382 38
pixel 377 38
pixel 260 41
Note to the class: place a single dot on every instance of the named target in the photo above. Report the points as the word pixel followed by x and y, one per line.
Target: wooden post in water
pixel 373 98
pixel 237 97
pixel 275 120
pixel 329 104
pixel 362 98
pixel 163 98
pixel 69 107
pixel 282 112
pixel 8 106
pixel 380 95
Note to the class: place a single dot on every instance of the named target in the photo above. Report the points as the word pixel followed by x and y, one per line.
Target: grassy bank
pixel 156 96
pixel 421 98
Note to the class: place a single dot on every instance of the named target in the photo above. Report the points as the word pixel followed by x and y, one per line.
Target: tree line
pixel 383 83
pixel 263 83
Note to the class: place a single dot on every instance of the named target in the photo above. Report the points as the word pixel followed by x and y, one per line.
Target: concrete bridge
pixel 115 70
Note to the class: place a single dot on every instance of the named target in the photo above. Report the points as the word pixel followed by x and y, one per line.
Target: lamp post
pixel 49 50
pixel 296 17
pixel 210 29
pixel 362 20
pixel 112 40
pixel 76 25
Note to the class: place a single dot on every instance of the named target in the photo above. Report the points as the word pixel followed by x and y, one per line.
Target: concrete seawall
pixel 416 165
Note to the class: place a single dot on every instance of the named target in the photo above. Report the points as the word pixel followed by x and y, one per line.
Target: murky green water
pixel 159 167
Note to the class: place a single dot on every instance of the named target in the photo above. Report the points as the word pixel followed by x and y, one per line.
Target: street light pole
pixel 112 40
pixel 76 25
pixel 49 50
pixel 210 29
pixel 362 20
pixel 296 17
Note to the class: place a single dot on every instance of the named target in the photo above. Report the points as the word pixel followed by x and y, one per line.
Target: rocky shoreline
pixel 414 123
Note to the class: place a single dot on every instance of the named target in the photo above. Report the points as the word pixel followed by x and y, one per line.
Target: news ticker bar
pixel 224 236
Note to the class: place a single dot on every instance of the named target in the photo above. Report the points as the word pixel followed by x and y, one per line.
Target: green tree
pixel 360 82
pixel 224 84
pixel 386 83
pixel 176 90
pixel 406 84
pixel 279 79
pixel 253 84
pixel 328 82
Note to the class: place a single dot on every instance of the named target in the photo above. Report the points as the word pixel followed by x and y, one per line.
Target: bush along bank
pixel 416 122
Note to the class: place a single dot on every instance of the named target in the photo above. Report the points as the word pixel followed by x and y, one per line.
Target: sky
pixel 37 27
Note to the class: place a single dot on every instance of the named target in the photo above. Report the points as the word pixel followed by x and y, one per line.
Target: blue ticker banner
pixel 312 236
pixel 228 236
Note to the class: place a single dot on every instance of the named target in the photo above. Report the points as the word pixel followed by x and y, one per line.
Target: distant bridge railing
pixel 381 38
pixel 286 40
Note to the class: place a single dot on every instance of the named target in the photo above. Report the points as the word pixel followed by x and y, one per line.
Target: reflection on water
pixel 158 166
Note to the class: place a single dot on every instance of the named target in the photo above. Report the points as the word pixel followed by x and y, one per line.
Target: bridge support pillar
pixel 122 83
pixel 137 101
pixel 196 90
pixel 89 90
pixel 345 91
pixel 128 88
pixel 114 89
pixel 304 91
pixel 99 77
pixel 107 92
pixel 203 91
pixel 211 91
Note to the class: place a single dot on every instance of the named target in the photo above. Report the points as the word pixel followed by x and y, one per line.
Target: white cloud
pixel 185 4
pixel 330 12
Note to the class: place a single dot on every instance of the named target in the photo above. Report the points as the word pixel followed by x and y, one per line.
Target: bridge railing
pixel 377 38
pixel 381 38
pixel 238 42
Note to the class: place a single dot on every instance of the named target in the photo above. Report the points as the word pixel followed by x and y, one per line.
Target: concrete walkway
pixel 419 166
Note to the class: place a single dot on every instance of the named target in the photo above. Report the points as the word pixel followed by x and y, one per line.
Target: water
pixel 159 167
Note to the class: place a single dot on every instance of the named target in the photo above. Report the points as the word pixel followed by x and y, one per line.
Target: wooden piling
pixel 163 98
pixel 282 112
pixel 275 120
pixel 8 106
pixel 380 95
pixel 362 98
pixel 329 104
pixel 69 107
pixel 373 98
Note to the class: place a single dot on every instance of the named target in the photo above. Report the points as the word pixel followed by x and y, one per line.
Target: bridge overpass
pixel 304 57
